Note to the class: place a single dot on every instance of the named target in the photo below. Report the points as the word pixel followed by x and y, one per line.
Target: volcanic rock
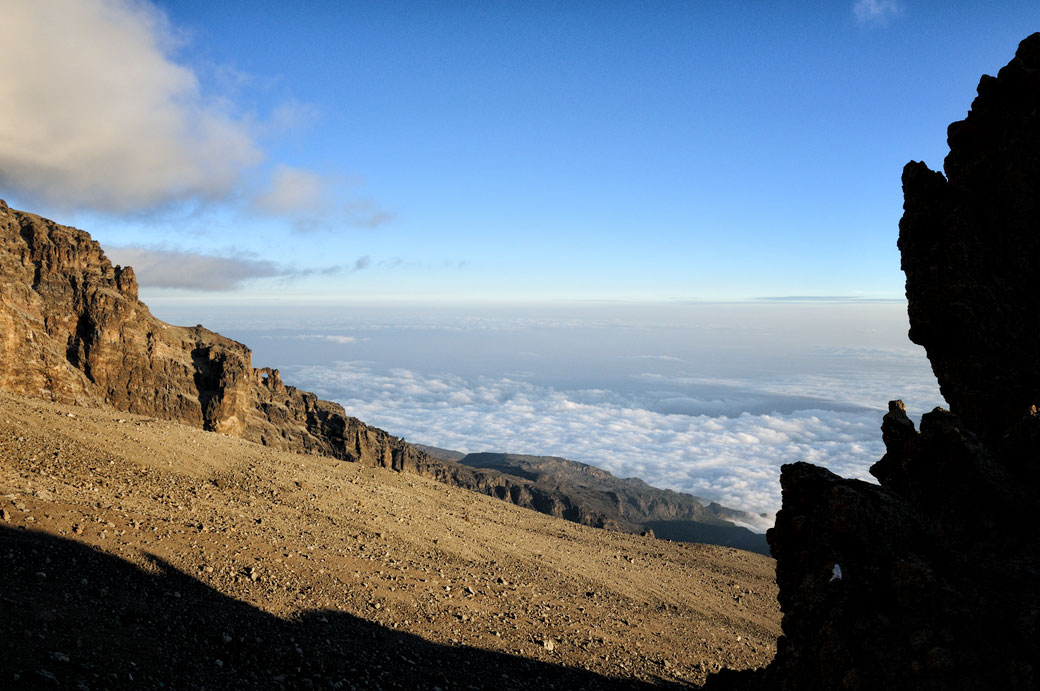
pixel 932 579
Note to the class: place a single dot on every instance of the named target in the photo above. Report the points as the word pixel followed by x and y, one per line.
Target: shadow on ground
pixel 73 617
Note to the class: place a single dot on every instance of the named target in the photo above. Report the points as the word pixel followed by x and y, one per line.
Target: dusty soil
pixel 141 553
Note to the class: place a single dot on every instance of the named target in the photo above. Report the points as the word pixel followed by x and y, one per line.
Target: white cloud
pixel 734 459
pixel 98 115
pixel 166 268
pixel 876 11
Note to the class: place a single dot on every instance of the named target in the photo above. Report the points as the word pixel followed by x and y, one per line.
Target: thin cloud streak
pixel 876 11
pixel 158 267
pixel 330 338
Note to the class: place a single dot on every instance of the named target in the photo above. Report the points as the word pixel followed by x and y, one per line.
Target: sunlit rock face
pixel 72 329
pixel 931 580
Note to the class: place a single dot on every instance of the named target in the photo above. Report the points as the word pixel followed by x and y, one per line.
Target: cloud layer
pixel 733 458
pixel 97 115
pixel 709 399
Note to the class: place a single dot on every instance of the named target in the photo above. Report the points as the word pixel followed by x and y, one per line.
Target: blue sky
pixel 490 150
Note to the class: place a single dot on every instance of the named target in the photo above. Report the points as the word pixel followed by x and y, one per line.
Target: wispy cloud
pixel 825 298
pixel 292 191
pixel 365 213
pixel 313 201
pixel 160 267
pixel 661 358
pixel 876 11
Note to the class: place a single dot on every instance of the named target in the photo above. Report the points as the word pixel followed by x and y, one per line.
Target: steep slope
pixel 136 552
pixel 72 329
pixel 930 580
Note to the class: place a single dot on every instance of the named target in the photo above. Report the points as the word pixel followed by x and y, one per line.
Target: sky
pixel 489 151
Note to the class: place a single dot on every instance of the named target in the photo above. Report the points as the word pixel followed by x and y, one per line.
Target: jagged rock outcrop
pixel 970 249
pixel 72 329
pixel 593 496
pixel 932 580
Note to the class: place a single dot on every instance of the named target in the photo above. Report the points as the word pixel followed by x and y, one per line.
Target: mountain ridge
pixel 638 506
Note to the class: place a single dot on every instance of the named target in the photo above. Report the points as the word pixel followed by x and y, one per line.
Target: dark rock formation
pixel 595 497
pixel 72 329
pixel 932 580
pixel 970 248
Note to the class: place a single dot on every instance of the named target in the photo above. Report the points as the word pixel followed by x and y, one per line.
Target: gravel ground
pixel 139 553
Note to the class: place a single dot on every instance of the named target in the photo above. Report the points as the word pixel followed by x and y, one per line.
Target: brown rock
pixel 73 330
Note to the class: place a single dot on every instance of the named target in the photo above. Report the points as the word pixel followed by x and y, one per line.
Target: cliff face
pixel 74 331
pixel 932 580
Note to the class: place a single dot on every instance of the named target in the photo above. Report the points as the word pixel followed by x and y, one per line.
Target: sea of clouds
pixel 705 399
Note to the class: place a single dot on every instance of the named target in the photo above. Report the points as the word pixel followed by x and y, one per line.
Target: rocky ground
pixel 141 553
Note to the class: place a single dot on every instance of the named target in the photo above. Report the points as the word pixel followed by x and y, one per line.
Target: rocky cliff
pixel 932 579
pixel 73 330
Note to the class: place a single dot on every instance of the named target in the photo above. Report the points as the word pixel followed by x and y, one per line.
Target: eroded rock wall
pixel 931 580
pixel 74 330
